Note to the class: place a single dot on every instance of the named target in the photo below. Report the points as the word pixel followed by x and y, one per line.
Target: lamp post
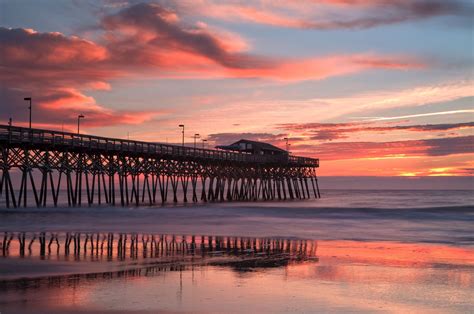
pixel 203 141
pixel 182 126
pixel 287 145
pixel 79 117
pixel 29 99
pixel 195 137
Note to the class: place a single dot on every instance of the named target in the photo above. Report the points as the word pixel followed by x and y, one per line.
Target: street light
pixel 29 99
pixel 287 145
pixel 79 117
pixel 195 137
pixel 182 126
pixel 203 141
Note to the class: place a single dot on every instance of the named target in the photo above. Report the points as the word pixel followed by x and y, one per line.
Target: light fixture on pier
pixel 203 141
pixel 196 136
pixel 79 117
pixel 182 126
pixel 29 99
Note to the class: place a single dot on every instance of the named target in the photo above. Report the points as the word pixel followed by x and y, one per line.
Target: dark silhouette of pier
pixel 96 170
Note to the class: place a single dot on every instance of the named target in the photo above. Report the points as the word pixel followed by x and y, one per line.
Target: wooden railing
pixel 20 135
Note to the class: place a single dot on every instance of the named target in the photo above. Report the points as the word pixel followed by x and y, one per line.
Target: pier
pixel 98 170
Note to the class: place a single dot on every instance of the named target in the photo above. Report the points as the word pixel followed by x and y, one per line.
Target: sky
pixel 372 88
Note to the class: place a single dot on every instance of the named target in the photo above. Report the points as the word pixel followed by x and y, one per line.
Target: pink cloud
pixel 312 14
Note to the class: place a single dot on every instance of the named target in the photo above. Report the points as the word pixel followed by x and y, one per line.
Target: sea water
pixel 390 215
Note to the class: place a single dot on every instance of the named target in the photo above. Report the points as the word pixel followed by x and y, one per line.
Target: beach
pixel 402 254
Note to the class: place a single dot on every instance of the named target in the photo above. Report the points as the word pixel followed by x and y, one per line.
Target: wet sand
pixel 194 273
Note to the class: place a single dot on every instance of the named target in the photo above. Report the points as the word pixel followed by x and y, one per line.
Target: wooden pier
pixel 98 170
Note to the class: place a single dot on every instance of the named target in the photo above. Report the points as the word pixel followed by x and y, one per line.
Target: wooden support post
pixel 302 187
pixel 194 179
pixel 203 187
pixel 174 186
pixel 184 185
pixel 317 186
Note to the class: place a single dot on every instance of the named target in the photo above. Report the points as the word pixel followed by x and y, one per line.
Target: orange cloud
pixel 323 67
pixel 414 166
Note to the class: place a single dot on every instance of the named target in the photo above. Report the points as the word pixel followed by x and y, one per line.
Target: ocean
pixel 351 250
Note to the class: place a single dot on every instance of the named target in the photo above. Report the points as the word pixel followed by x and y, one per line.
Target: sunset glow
pixel 381 88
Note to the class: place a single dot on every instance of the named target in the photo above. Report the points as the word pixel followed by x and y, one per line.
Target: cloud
pixel 323 67
pixel 55 107
pixel 148 34
pixel 329 108
pixel 228 138
pixel 334 131
pixel 427 114
pixel 151 26
pixel 53 68
pixel 401 149
pixel 346 150
pixel 343 14
pixel 28 58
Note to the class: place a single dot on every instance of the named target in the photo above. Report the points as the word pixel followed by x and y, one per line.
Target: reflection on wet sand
pixel 118 272
pixel 138 254
pixel 124 246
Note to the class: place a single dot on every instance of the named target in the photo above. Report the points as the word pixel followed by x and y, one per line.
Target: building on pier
pixel 253 147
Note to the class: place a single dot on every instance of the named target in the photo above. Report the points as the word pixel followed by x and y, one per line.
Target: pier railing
pixel 73 141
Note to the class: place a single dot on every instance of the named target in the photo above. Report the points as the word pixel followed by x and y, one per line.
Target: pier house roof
pixel 253 147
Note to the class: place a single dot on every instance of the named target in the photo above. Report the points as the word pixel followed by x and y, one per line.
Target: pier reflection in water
pixel 123 246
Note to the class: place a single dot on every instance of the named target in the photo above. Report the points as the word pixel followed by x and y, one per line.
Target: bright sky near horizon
pixel 370 87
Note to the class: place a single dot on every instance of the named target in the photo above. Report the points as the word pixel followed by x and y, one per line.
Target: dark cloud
pixel 162 30
pixel 353 150
pixel 385 12
pixel 330 14
pixel 29 58
pixel 450 146
pixel 228 138
pixel 334 131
